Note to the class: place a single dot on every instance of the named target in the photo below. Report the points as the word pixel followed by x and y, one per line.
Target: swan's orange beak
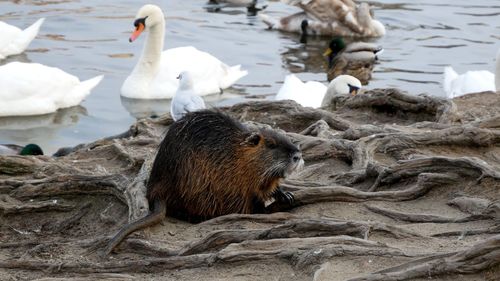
pixel 138 30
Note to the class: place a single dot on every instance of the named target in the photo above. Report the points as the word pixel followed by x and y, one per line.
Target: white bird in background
pixel 315 94
pixel 154 76
pixel 185 99
pixel 34 89
pixel 456 85
pixel 14 41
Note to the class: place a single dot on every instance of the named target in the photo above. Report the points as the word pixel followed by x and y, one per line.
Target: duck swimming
pixel 356 59
pixel 14 149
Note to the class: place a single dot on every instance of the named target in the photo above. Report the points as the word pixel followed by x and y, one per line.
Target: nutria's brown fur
pixel 210 165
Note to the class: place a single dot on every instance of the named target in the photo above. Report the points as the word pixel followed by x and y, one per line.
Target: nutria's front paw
pixel 284 196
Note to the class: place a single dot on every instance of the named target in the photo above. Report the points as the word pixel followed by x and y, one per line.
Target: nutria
pixel 210 165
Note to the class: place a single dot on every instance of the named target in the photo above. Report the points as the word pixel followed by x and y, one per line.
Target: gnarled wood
pixel 394 153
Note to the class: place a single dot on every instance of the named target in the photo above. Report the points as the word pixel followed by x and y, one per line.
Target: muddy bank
pixel 396 187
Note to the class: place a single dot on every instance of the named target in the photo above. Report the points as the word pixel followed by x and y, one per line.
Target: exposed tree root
pixel 395 102
pixel 9 205
pixel 425 182
pixel 298 250
pixel 261 218
pixel 71 184
pixel 382 146
pixel 463 167
pixel 480 256
pixel 463 233
pixel 259 111
pixel 67 223
pixel 291 229
pixel 421 218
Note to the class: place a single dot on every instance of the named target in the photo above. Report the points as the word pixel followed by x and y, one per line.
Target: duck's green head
pixel 335 47
pixel 31 149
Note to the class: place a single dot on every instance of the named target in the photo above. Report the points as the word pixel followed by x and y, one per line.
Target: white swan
pixel 328 17
pixel 34 89
pixel 456 85
pixel 154 76
pixel 315 94
pixel 185 99
pixel 14 41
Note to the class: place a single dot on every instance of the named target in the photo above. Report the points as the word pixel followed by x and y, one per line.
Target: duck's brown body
pixel 360 68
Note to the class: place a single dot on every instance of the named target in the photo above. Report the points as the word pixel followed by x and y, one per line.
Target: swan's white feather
pixel 33 89
pixel 211 75
pixel 456 85
pixel 14 41
pixel 154 76
pixel 310 93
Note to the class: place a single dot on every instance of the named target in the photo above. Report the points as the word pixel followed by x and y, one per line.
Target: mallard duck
pixel 329 17
pixel 14 149
pixel 456 85
pixel 315 94
pixel 185 99
pixel 154 76
pixel 14 41
pixel 34 89
pixel 356 59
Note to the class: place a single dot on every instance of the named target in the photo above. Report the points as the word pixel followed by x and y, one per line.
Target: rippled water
pixel 89 37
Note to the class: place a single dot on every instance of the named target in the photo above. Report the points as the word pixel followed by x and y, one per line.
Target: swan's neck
pixel 149 62
pixel 497 72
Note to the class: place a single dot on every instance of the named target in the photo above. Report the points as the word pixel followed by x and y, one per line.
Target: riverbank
pixel 390 179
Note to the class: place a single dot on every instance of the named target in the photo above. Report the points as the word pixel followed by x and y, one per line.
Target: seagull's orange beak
pixel 138 30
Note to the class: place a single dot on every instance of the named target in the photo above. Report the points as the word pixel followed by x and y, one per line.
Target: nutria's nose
pixel 297 156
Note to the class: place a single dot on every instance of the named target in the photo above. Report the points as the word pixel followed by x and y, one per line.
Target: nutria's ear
pixel 252 139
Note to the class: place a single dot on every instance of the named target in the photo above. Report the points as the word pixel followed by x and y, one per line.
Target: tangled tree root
pixel 368 157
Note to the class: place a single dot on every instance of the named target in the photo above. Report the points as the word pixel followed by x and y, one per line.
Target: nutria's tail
pixel 154 217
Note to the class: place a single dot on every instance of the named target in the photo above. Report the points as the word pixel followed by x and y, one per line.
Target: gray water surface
pixel 90 37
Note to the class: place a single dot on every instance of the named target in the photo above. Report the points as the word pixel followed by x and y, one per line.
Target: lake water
pixel 90 37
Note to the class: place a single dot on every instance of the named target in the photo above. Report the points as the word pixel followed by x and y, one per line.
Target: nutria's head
pixel 278 156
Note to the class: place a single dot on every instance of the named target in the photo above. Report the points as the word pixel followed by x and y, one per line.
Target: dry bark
pixel 382 146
